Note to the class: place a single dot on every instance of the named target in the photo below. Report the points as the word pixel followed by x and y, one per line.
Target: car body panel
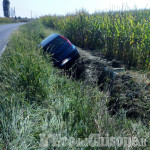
pixel 60 48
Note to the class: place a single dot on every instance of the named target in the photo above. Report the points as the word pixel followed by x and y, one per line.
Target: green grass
pixel 37 98
pixel 123 35
pixel 12 20
pixel 7 20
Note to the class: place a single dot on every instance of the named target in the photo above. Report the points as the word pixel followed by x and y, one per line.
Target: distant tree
pixel 19 17
pixel 6 5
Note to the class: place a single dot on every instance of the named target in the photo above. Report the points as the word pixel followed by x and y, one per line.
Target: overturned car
pixel 62 51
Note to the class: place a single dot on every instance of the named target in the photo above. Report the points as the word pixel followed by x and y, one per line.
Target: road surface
pixel 5 32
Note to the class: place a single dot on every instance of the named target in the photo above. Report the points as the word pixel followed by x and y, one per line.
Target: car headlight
pixel 65 61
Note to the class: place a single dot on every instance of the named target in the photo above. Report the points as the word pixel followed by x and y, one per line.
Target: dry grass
pixel 143 78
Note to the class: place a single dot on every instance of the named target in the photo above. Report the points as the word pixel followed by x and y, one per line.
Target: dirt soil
pixel 127 89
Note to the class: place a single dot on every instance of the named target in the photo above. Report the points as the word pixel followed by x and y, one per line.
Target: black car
pixel 62 51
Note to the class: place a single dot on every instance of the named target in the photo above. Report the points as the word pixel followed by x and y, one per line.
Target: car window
pixel 48 39
pixel 55 44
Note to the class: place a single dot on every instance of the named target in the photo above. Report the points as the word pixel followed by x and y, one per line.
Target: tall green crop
pixel 124 35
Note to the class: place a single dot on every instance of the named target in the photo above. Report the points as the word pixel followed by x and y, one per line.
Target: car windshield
pixel 55 44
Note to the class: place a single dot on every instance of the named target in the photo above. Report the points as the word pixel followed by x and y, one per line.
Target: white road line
pixel 3 50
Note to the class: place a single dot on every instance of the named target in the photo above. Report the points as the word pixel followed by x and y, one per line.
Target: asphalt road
pixel 5 32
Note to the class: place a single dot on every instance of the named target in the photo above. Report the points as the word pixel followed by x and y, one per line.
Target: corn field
pixel 123 35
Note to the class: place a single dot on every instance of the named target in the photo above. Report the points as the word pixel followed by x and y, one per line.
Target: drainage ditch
pixel 125 92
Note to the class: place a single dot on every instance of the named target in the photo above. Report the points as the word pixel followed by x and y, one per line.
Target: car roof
pixel 49 38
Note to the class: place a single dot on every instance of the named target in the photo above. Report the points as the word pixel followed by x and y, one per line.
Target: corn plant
pixel 124 35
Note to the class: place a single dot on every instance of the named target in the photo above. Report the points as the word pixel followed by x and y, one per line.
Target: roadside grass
pixel 7 20
pixel 36 99
pixel 12 20
pixel 49 31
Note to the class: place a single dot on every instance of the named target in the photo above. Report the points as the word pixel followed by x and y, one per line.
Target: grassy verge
pixel 7 20
pixel 12 20
pixel 36 99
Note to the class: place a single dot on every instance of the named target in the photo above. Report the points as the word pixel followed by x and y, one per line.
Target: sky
pixel 36 8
